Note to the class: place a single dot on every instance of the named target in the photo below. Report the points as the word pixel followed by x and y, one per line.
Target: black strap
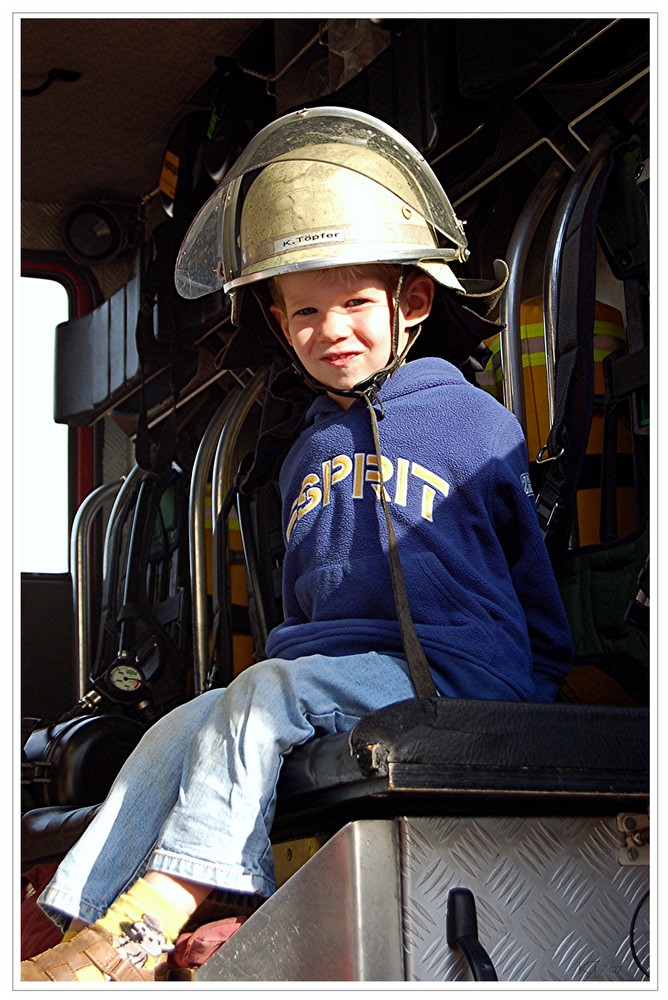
pixel 566 446
pixel 417 661
pixel 601 201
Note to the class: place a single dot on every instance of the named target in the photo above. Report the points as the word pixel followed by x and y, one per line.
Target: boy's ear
pixel 418 297
pixel 282 321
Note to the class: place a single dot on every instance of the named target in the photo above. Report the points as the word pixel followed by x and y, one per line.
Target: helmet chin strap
pixel 368 387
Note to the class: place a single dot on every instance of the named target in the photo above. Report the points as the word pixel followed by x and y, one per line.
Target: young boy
pixel 345 224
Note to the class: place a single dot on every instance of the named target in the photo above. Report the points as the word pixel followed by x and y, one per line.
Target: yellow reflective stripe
pixel 169 175
pixel 604 329
pixel 601 329
pixel 529 330
pixel 534 356
pixel 601 355
pixel 608 337
pixel 534 360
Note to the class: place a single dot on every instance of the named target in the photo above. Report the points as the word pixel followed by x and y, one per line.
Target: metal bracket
pixel 635 827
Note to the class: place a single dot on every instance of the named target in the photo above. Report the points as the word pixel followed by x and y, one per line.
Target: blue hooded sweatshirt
pixel 481 588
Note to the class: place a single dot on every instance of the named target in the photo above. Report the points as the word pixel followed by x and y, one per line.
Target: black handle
pixel 462 932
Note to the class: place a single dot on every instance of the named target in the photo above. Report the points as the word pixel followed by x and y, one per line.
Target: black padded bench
pixel 445 756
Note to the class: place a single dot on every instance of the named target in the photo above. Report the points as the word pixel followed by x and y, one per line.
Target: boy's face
pixel 340 326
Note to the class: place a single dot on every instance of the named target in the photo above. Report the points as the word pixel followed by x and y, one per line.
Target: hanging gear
pixel 572 288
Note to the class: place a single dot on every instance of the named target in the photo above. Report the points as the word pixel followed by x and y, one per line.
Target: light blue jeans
pixel 196 798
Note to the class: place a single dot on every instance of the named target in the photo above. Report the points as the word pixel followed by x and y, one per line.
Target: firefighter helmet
pixel 321 188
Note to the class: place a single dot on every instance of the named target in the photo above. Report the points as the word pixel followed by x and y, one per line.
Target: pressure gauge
pixel 125 678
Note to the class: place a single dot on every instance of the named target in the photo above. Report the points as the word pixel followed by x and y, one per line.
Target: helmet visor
pixel 327 135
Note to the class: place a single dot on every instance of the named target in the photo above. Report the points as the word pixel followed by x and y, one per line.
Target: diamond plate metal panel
pixel 553 902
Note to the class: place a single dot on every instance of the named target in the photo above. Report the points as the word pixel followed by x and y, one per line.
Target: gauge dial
pixel 125 678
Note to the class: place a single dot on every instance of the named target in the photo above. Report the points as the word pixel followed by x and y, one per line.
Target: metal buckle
pixel 550 458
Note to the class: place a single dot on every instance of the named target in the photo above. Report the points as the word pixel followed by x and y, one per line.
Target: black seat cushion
pixel 457 750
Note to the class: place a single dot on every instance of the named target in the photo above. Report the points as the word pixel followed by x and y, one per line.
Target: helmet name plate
pixel 315 236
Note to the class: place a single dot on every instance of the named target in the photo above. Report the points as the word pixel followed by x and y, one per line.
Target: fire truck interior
pixel 539 130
